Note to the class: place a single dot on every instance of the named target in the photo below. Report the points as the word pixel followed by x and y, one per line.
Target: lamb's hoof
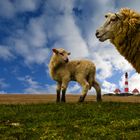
pixel 99 100
pixel 57 101
pixel 81 99
pixel 63 100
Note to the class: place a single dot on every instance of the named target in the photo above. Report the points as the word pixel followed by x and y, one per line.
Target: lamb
pixel 123 30
pixel 63 71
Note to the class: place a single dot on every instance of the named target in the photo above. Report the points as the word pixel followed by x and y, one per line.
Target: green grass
pixel 107 121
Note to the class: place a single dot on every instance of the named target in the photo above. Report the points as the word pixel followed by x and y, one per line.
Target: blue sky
pixel 29 29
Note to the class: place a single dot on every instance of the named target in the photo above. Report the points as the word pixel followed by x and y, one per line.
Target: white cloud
pixel 104 66
pixel 5 53
pixel 50 89
pixel 6 9
pixel 33 87
pixel 31 54
pixel 61 27
pixel 54 7
pixel 71 38
pixel 31 43
pixel 9 9
pixel 35 34
pixel 3 84
pixel 26 5
pixel 134 81
pixel 107 60
pixel 108 87
pixel 67 35
pixel 73 88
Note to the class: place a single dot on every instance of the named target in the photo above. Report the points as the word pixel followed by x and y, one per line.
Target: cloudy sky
pixel 29 29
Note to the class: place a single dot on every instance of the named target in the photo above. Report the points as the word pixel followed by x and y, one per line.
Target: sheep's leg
pixel 82 98
pixel 58 90
pixel 64 88
pixel 85 88
pixel 98 91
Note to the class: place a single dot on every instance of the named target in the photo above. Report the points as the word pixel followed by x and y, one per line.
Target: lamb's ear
pixel 55 50
pixel 69 53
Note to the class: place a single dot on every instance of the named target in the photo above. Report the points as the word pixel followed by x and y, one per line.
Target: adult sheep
pixel 63 71
pixel 123 30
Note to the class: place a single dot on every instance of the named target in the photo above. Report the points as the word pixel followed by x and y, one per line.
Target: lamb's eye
pixel 61 54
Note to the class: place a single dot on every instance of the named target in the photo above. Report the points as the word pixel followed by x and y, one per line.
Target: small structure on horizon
pixel 135 92
pixel 117 91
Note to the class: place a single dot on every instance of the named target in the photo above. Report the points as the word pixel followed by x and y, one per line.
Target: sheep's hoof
pixel 81 99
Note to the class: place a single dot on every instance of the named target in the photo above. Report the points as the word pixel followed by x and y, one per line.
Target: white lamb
pixel 63 71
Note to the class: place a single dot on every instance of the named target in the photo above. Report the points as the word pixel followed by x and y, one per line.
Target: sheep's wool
pixel 127 42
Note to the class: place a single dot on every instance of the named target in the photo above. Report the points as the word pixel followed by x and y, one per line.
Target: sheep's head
pixel 126 21
pixel 110 27
pixel 61 55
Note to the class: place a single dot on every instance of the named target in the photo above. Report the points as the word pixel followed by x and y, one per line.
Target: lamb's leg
pixel 64 88
pixel 58 90
pixel 85 88
pixel 98 91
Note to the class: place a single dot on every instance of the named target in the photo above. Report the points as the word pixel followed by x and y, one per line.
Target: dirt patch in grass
pixel 49 98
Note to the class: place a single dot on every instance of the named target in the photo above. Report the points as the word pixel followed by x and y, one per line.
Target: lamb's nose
pixel 67 60
pixel 97 33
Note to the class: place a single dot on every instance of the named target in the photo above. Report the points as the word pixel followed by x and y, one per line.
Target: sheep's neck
pixel 127 45
pixel 55 66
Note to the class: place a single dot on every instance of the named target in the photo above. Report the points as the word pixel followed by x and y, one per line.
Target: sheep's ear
pixel 55 50
pixel 119 16
pixel 69 53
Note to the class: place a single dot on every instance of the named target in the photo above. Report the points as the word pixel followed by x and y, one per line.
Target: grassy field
pixel 36 120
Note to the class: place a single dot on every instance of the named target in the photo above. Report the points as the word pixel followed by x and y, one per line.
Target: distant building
pixel 126 88
pixel 117 91
pixel 135 91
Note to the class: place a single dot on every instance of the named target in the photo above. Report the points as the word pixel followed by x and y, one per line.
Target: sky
pixel 29 29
